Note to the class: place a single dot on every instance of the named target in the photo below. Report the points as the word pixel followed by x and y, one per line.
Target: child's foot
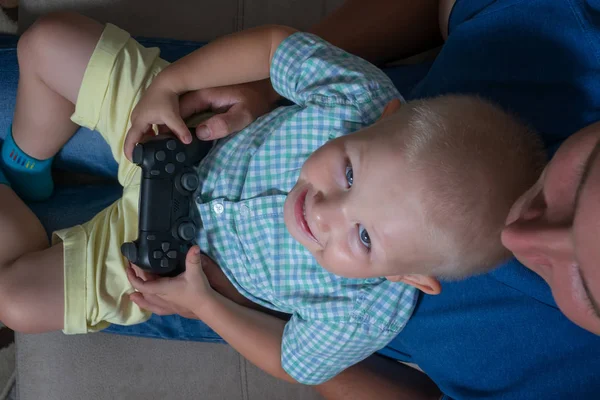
pixel 29 177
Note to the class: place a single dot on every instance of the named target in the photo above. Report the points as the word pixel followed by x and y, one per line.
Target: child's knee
pixel 46 32
pixel 13 312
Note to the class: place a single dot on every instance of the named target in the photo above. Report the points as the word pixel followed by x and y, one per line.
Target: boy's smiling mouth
pixel 300 214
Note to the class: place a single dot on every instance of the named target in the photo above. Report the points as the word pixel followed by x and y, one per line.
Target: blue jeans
pixel 88 152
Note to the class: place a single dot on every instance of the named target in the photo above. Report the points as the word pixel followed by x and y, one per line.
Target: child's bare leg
pixel 31 274
pixel 53 56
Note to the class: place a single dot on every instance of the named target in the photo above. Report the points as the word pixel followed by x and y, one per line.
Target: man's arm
pixel 379 378
pixel 383 30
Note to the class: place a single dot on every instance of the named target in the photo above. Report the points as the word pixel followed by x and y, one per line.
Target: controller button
pixel 172 254
pixel 170 168
pixel 155 172
pixel 164 263
pixel 218 208
pixel 171 145
pixel 161 155
pixel 151 237
pixel 187 231
pixel 165 246
pixel 190 181
pixel 138 154
pixel 180 157
pixel 157 254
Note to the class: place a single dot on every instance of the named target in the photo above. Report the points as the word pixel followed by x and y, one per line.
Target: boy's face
pixel 356 207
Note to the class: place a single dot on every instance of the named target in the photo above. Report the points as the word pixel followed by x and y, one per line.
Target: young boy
pixel 303 215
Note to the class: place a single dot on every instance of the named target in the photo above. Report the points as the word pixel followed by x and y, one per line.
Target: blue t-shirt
pixel 500 335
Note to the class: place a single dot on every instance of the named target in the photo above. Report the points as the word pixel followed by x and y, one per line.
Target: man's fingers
pixel 194 102
pixel 234 120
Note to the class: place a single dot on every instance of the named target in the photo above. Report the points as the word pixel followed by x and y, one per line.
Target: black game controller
pixel 166 209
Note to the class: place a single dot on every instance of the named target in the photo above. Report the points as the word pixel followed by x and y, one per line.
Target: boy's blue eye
pixel 364 236
pixel 349 176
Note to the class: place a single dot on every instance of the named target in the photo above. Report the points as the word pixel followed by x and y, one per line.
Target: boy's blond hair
pixel 474 161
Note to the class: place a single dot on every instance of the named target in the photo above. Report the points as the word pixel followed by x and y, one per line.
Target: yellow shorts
pixel 96 286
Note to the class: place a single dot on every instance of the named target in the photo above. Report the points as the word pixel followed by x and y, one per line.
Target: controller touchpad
pixel 159 192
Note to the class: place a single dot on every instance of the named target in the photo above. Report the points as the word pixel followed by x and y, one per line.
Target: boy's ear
pixel 426 284
pixel 391 107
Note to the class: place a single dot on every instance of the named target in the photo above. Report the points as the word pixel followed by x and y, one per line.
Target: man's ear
pixel 391 107
pixel 426 284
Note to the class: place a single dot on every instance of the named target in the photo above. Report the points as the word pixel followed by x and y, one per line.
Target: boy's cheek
pixel 341 264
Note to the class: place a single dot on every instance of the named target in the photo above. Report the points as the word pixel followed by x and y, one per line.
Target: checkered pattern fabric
pixel 336 321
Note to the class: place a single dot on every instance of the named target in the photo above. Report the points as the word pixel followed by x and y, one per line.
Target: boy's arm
pixel 255 335
pixel 237 58
pixel 377 30
pixel 233 59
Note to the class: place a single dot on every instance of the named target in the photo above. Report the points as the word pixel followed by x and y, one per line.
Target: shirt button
pixel 218 208
pixel 244 210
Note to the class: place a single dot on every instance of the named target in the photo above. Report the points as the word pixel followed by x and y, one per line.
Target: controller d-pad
pixel 157 254
pixel 161 155
pixel 170 168
pixel 165 246
pixel 172 254
pixel 171 145
pixel 164 263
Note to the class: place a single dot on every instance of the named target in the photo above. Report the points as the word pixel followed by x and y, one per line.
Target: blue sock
pixel 30 178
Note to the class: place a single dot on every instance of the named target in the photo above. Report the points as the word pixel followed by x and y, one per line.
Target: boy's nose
pixel 539 243
pixel 328 211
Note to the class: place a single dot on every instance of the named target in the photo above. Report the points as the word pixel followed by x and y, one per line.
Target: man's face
pixel 356 207
pixel 554 228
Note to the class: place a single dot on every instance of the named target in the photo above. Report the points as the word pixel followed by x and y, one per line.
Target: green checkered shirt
pixel 336 322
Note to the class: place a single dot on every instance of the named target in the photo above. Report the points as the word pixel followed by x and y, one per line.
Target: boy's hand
pixel 179 295
pixel 158 106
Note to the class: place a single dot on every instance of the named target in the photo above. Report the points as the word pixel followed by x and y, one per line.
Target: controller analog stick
pixel 187 231
pixel 190 181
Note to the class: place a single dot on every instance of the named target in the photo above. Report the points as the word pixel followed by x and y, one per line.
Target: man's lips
pixel 299 210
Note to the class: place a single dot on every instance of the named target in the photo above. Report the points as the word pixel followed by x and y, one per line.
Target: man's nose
pixel 328 211
pixel 539 241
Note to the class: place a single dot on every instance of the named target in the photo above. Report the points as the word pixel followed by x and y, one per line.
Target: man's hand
pixel 237 107
pixel 158 106
pixel 179 295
